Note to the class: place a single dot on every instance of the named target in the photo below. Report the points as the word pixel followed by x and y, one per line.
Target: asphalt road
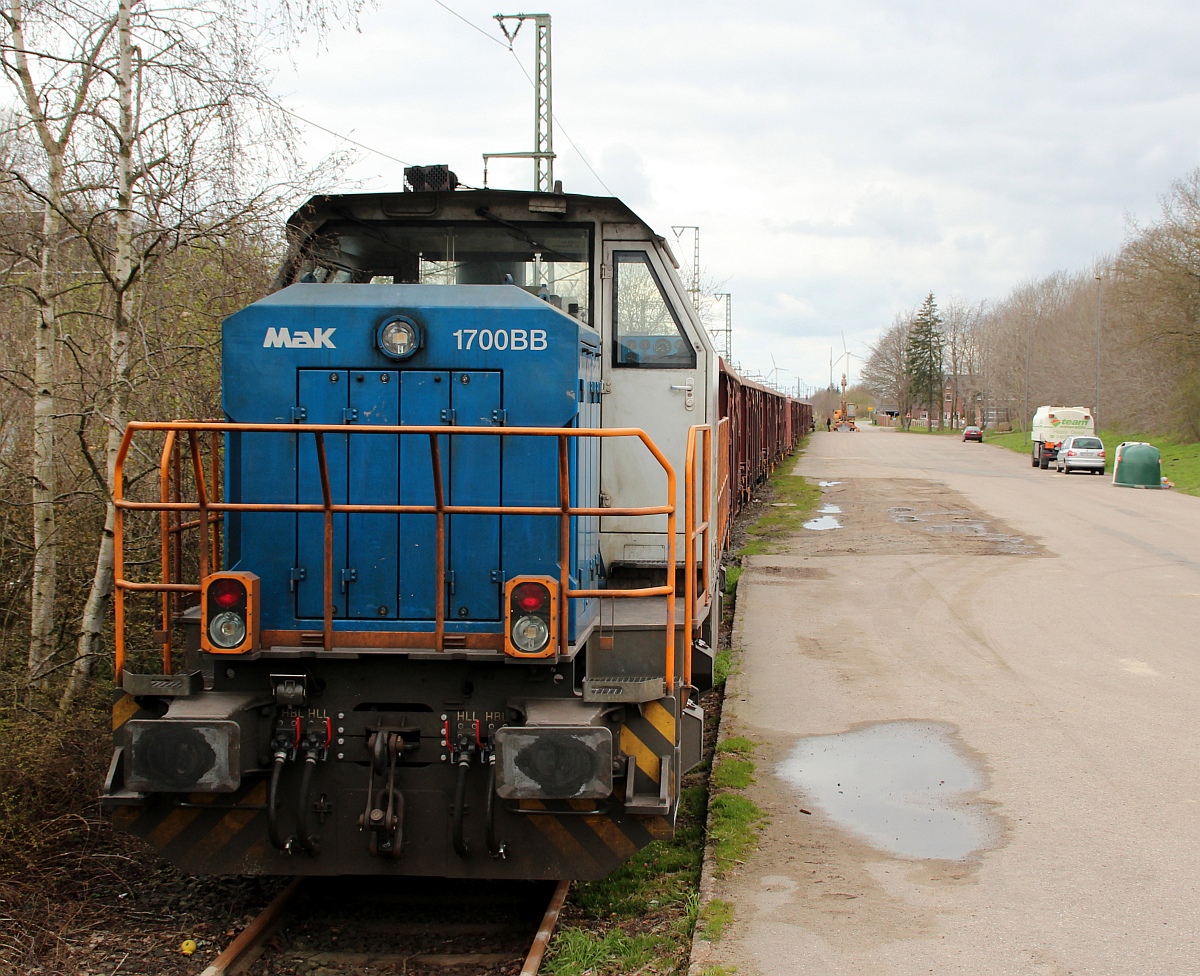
pixel 1048 625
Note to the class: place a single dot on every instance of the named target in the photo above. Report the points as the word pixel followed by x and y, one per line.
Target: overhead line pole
pixel 694 290
pixel 543 103
pixel 727 332
pixel 543 111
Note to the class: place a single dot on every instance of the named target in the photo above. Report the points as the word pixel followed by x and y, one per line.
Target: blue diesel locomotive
pixel 436 596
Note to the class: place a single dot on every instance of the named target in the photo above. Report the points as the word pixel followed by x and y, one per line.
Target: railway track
pixel 410 926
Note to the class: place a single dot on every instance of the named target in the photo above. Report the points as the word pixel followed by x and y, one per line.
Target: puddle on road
pixel 822 522
pixel 904 786
pixel 961 527
pixel 960 523
pixel 830 510
pixel 828 484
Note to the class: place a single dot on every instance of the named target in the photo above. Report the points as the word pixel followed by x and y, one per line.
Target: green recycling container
pixel 1137 466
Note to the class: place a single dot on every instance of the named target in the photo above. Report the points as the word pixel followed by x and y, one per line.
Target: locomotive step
pixel 624 689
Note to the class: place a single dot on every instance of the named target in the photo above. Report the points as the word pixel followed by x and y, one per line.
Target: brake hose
pixel 497 850
pixel 307 841
pixel 461 847
pixel 273 805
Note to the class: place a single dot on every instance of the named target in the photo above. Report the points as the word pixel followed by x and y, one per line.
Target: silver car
pixel 1081 453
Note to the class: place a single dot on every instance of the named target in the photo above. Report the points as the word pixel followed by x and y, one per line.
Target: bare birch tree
pixel 199 149
pixel 55 95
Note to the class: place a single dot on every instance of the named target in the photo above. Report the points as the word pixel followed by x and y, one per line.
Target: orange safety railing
pixel 724 488
pixel 208 511
pixel 699 448
pixel 173 526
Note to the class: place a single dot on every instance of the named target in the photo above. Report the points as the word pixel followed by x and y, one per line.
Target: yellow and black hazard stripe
pixel 596 843
pixel 647 736
pixel 125 707
pixel 184 831
pixel 593 845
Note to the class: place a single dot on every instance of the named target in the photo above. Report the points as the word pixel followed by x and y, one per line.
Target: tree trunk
pixel 95 610
pixel 91 626
pixel 45 409
pixel 45 480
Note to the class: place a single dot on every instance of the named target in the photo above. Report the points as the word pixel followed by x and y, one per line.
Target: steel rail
pixel 242 951
pixel 533 961
pixel 254 934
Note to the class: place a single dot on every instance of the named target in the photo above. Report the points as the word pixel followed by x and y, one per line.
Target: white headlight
pixel 399 339
pixel 227 629
pixel 530 634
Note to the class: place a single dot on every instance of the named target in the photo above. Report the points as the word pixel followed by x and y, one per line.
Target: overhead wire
pixel 345 138
pixel 474 27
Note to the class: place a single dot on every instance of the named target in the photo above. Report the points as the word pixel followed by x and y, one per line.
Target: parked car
pixel 1081 453
pixel 973 434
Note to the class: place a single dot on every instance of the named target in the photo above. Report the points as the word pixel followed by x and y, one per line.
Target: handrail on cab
pixel 699 441
pixel 210 511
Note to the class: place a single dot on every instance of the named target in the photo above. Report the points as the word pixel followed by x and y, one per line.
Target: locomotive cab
pixel 597 260
pixel 441 633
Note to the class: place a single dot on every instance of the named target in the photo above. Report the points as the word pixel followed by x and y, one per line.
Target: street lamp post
pixel 1096 406
pixel 1028 349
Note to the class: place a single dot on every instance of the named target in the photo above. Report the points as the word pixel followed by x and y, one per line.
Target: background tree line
pixel 1135 317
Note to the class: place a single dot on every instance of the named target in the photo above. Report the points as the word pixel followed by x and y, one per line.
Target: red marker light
pixel 226 593
pixel 531 596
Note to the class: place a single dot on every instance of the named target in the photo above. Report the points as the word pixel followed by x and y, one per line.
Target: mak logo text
pixel 282 338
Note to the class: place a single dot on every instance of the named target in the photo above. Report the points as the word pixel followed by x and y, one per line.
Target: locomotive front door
pixel 470 476
pixel 474 589
pixel 321 396
pixel 374 464
pixel 373 577
pixel 424 401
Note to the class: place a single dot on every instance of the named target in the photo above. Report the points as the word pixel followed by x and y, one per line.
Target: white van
pixel 1052 425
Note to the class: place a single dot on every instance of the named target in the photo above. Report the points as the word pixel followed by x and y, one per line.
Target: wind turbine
pixel 775 371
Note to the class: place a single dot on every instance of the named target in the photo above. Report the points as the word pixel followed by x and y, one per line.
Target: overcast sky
pixel 842 160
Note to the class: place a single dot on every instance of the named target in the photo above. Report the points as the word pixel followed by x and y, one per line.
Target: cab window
pixel 646 332
pixel 550 261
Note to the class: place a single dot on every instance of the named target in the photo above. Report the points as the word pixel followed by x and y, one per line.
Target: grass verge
pixel 788 503
pixel 641 917
pixel 723 666
pixel 732 818
pixel 580 951
pixel 1180 461
pixel 713 918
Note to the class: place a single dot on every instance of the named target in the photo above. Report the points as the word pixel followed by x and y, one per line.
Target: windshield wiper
pixel 522 234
